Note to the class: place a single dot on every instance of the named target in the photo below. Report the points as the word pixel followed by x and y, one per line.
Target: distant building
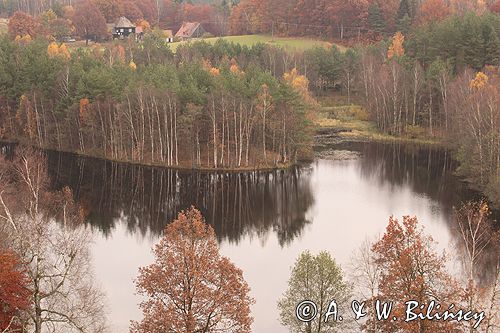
pixel 190 30
pixel 169 35
pixel 123 28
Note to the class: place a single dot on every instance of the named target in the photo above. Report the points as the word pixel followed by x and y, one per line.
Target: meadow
pixel 291 43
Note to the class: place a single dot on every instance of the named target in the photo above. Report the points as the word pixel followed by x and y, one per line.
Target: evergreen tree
pixel 404 9
pixel 491 45
pixel 404 24
pixel 375 19
pixel 404 17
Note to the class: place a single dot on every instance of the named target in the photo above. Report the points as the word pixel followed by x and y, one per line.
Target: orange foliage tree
pixel 396 49
pixel 143 24
pixel 22 24
pixel 300 83
pixel 52 50
pixel 190 287
pixel 13 292
pixel 410 269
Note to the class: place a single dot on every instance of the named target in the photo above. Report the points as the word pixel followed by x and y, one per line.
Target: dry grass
pixel 4 25
pixel 352 122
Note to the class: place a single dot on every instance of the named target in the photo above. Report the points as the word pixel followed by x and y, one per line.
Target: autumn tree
pixel 432 11
pixel 300 83
pixel 13 292
pixel 89 22
pixel 148 10
pixel 60 28
pixel 318 279
pixel 396 49
pixel 110 9
pixel 347 13
pixel 22 24
pixel 190 287
pixel 132 11
pixel 45 19
pixel 143 24
pixel 43 228
pixel 474 101
pixel 411 269
pixel 495 7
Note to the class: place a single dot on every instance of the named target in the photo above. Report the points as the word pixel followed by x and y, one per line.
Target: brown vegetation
pixel 190 287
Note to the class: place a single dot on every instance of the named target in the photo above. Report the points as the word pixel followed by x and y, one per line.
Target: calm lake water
pixel 263 220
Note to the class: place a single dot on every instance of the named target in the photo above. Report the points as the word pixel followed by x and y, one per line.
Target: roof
pixel 168 33
pixel 124 22
pixel 187 30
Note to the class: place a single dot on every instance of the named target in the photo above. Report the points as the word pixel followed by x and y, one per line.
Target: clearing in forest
pixel 296 43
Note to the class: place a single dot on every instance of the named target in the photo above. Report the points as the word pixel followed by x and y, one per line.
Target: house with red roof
pixel 190 30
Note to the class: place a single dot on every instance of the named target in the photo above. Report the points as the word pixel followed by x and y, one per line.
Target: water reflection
pixel 239 204
pixel 236 204
pixel 427 170
pixel 263 220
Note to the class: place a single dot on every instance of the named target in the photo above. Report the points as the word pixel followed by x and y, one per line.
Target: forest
pixel 209 106
pixel 224 105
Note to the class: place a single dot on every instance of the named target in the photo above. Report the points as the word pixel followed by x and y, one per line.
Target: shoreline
pixel 179 167
pixel 324 137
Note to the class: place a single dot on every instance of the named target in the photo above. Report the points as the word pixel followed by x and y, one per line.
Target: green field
pixel 286 42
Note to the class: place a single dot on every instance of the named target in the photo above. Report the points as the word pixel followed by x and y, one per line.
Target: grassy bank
pixel 350 122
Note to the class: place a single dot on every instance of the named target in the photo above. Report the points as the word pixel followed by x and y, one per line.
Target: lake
pixel 263 220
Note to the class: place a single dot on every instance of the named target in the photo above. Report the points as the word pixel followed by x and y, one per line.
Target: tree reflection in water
pixel 428 171
pixel 250 203
pixel 236 204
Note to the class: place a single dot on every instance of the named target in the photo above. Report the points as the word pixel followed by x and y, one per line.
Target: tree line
pixel 328 19
pixel 438 81
pixel 441 81
pixel 207 106
pixel 164 14
pixel 341 19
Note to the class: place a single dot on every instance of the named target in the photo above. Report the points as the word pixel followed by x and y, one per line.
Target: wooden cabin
pixel 123 28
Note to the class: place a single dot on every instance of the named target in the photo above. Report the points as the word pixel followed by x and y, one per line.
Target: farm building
pixel 168 35
pixel 123 28
pixel 190 30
